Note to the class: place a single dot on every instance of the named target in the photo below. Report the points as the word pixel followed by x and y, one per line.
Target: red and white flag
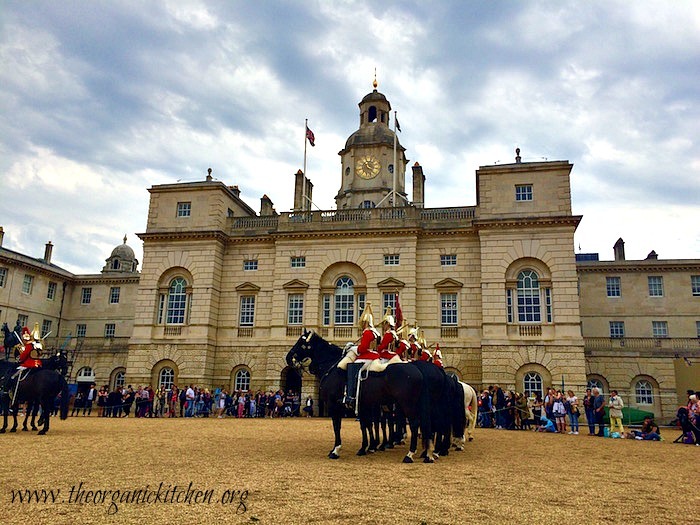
pixel 310 136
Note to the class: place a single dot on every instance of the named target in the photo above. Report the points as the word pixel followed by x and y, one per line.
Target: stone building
pixel 224 291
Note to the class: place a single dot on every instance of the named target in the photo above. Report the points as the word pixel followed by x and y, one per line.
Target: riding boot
pixel 353 371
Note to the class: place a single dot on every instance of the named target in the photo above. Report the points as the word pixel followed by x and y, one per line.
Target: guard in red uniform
pixel 366 352
pixel 437 356
pixel 414 347
pixel 390 339
pixel 32 343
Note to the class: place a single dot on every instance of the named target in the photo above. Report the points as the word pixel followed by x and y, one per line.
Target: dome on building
pixel 122 259
pixel 371 135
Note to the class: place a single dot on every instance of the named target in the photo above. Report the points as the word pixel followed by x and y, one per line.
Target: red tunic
pixel 25 358
pixel 437 359
pixel 364 349
pixel 424 355
pixel 387 344
pixel 403 349
pixel 413 351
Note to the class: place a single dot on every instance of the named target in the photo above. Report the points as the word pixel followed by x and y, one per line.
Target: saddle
pixel 377 366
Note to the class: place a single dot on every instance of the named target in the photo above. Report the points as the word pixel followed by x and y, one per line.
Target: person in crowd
pixel 485 410
pixel 537 408
pixel 599 410
pixel 183 401
pixel 173 397
pixel 546 425
pixel 89 399
pixel 615 406
pixel 573 411
pixel 649 431
pixel 549 403
pixel 509 411
pixel 590 411
pixel 499 403
pixel 241 405
pixel 77 403
pixel 189 401
pixel 128 399
pixel 309 407
pixel 559 411
pixel 102 400
pixel 522 412
pixel 222 404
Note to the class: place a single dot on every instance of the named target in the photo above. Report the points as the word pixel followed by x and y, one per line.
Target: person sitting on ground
pixel 546 425
pixel 649 432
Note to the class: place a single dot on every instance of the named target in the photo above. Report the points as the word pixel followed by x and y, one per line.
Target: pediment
pixel 448 283
pixel 247 287
pixel 391 283
pixel 295 284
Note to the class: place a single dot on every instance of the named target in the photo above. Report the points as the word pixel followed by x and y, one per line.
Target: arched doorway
pixel 291 380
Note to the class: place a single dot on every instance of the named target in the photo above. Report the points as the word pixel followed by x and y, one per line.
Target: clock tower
pixel 367 161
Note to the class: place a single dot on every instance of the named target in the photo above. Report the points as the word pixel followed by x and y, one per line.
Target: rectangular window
pixel 250 265
pixel 295 310
pixel 656 286
pixel 391 260
pixel 448 309
pixel 110 329
pixel 23 320
pixel 694 285
pixel 114 293
pixel 45 327
pixel 344 308
pixel 448 260
pixel 326 310
pixel 659 328
pixel 509 305
pixel 612 285
pixel 697 328
pixel 617 329
pixel 388 299
pixel 27 284
pixel 360 304
pixel 3 277
pixel 523 192
pixel 80 330
pixel 86 296
pixel 247 310
pixel 298 262
pixel 548 303
pixel 184 209
pixel 51 292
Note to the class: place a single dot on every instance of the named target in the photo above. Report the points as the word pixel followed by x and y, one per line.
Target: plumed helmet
pixel 367 318
pixel 36 333
pixel 26 334
pixel 413 332
pixel 388 318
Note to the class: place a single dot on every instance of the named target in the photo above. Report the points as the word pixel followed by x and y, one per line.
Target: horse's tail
pixel 474 407
pixel 65 398
pixel 460 417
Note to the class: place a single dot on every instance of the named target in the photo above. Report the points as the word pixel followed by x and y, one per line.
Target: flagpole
pixel 393 185
pixel 303 178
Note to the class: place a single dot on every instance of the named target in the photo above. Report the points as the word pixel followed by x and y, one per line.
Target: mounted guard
pixel 390 340
pixel 30 357
pixel 365 353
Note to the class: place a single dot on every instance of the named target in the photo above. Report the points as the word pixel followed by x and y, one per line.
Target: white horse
pixel 471 409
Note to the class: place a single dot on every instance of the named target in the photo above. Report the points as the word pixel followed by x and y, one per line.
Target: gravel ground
pixel 275 471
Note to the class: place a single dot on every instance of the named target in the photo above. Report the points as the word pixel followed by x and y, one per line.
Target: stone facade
pixel 224 292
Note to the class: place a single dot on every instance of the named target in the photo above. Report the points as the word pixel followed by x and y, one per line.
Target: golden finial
pixel 375 84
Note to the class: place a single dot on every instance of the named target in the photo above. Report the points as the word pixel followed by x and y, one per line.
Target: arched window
pixel 644 392
pixel 528 290
pixel 344 301
pixel 119 379
pixel 595 383
pixel 177 301
pixel 532 384
pixel 372 114
pixel 241 380
pixel 115 264
pixel 85 374
pixel 166 377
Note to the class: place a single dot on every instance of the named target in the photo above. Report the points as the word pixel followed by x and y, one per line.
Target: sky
pixel 99 101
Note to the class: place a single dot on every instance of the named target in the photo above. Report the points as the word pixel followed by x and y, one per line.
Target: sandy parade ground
pixel 275 471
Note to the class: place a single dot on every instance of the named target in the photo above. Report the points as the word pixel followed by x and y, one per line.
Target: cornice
pixel 187 235
pixel 524 222
pixel 671 265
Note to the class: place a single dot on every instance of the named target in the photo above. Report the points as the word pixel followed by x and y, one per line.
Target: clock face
pixel 367 167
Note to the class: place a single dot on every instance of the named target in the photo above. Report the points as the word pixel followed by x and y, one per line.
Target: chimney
pixel 235 190
pixel 2 235
pixel 298 181
pixel 619 249
pixel 653 256
pixel 266 206
pixel 418 186
pixel 47 252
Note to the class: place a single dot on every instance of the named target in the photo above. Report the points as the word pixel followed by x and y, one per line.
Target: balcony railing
pixel 449 332
pixel 666 345
pixel 374 218
pixel 245 332
pixel 530 330
pixel 172 331
pixel 294 331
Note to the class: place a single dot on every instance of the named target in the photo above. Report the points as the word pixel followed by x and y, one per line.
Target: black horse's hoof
pixel 428 460
pixel 406 459
pixel 2 430
pixel 41 433
pixel 362 452
pixel 423 454
pixel 13 430
pixel 390 445
pixel 333 455
pixel 382 447
pixel 25 429
pixel 34 429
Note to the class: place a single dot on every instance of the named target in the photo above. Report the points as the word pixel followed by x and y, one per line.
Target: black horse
pixel 410 385
pixel 40 386
pixel 11 339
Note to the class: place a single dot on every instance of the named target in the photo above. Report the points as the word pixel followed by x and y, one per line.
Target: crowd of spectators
pixel 189 401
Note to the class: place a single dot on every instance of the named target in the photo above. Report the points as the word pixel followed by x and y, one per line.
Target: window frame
pixel 529 299
pixel 295 309
pixel 617 329
pixel 448 259
pixel 184 209
pixel 449 309
pixel 110 330
pixel 81 327
pixel 523 193
pixel 656 287
pixel 392 259
pixel 168 381
pixel 27 284
pixel 297 261
pixel 613 286
pixel 86 295
pixel 528 379
pixel 659 329
pixel 51 291
pixel 3 276
pixel 45 327
pixel 250 265
pixel 114 294
pixel 241 380
pixel 246 315
pixel 644 392
pixel 695 285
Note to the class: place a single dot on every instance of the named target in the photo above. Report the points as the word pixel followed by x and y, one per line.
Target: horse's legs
pixel 383 421
pixel 26 417
pixel 365 426
pixel 337 418
pixel 15 409
pixel 45 408
pixel 414 424
pixel 374 429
